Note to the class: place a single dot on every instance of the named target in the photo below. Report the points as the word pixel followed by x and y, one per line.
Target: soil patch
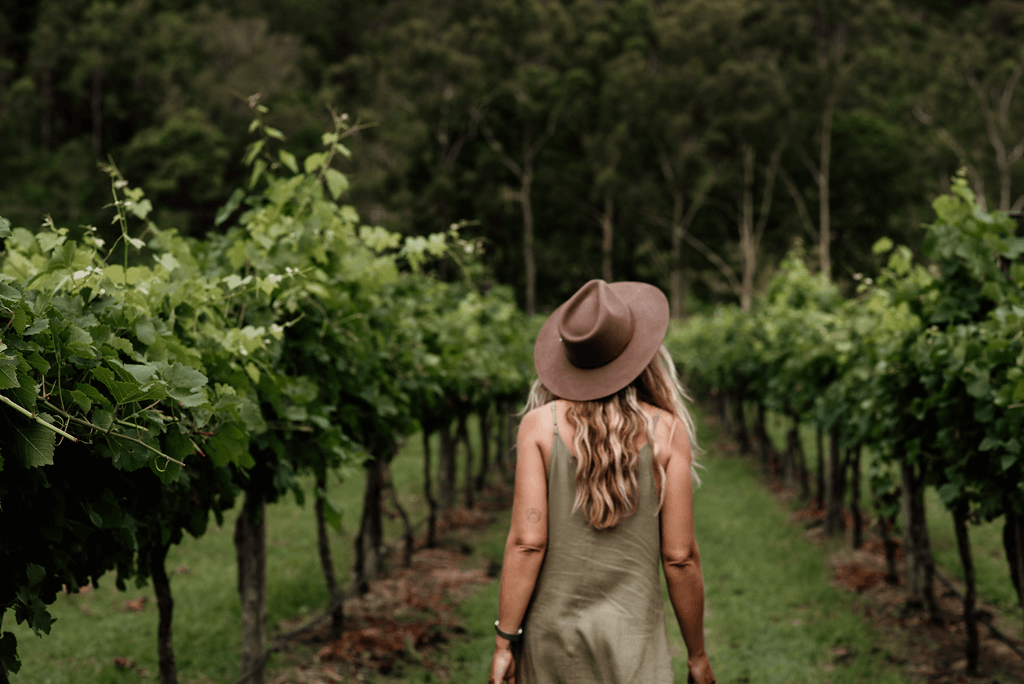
pixel 406 617
pixel 929 651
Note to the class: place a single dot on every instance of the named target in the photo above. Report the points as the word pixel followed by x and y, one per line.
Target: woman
pixel 603 492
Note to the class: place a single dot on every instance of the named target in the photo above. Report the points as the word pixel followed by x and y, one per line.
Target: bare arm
pixel 528 535
pixel 680 555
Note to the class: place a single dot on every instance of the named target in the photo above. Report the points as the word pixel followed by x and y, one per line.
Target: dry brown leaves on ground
pixel 932 652
pixel 404 617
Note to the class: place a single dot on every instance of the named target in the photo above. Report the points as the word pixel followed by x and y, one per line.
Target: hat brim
pixel 651 311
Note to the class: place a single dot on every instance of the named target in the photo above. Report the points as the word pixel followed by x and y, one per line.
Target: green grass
pixel 990 565
pixel 772 614
pixel 94 628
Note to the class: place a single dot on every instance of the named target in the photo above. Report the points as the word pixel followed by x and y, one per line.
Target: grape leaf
pixel 8 377
pixel 36 574
pixel 34 444
pixel 337 183
pixel 145 331
pixel 229 207
pixel 8 293
pixel 9 642
pixel 230 445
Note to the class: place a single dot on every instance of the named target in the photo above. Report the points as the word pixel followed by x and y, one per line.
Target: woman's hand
pixel 503 666
pixel 700 670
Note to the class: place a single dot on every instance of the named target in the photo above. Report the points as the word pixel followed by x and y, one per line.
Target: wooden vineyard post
pixel 741 423
pixel 820 444
pixel 251 549
pixel 370 539
pixel 326 562
pixel 428 492
pixel 858 519
pixel 920 567
pixel 485 447
pixel 833 490
pixel 762 436
pixel 1013 542
pixel 462 435
pixel 789 465
pixel 165 605
pixel 445 466
pixel 963 544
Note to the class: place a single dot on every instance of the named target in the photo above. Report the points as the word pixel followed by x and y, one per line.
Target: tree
pixel 524 48
pixel 985 71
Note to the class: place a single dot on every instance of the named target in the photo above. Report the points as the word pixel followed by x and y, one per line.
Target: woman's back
pixel 580 589
pixel 597 612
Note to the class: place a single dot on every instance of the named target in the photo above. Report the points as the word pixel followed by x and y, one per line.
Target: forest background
pixel 688 143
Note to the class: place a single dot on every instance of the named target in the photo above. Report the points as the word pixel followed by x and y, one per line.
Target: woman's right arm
pixel 680 556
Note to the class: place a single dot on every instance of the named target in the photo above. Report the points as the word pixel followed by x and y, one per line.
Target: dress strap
pixel 554 417
pixel 656 416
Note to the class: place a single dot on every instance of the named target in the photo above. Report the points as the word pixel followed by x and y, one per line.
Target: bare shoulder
pixel 673 438
pixel 536 423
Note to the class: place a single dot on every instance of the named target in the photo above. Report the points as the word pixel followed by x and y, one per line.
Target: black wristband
pixel 511 637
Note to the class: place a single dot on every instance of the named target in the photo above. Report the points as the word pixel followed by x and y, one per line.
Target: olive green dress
pixel 597 614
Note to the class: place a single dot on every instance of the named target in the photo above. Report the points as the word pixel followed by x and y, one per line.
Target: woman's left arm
pixel 528 535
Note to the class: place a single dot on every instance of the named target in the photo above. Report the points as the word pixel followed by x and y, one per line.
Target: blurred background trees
pixel 688 143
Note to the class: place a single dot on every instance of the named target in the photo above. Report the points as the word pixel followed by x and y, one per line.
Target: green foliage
pixel 297 340
pixel 923 365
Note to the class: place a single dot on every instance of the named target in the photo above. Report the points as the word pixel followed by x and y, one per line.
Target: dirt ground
pixel 406 617
pixel 929 651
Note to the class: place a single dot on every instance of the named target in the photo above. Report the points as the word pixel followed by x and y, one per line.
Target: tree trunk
pixel 607 237
pixel 1013 542
pixel 428 492
pixel 762 435
pixel 462 435
pixel 820 443
pixel 406 526
pixel 833 492
pixel 46 120
pixel 371 529
pixel 963 544
pixel 97 112
pixel 799 461
pixel 445 466
pixel 251 549
pixel 789 465
pixel 499 434
pixel 676 301
pixel 722 406
pixel 326 562
pixel 165 605
pixel 920 566
pixel 858 534
pixel 3 668
pixel 530 269
pixel 748 249
pixel 485 447
pixel 892 577
pixel 741 423
pixel 824 162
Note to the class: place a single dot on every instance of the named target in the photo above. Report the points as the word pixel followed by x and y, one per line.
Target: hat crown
pixel 596 326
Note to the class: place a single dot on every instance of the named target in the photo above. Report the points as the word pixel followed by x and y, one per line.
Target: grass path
pixel 772 615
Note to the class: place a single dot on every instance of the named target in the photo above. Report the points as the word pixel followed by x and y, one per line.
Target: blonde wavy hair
pixel 606 432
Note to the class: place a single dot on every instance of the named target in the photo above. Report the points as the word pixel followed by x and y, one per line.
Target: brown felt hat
pixel 601 339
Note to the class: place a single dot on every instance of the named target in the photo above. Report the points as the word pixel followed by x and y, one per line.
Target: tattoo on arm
pixel 533 516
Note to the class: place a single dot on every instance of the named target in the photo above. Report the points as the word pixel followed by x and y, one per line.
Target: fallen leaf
pixel 136 604
pixel 124 663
